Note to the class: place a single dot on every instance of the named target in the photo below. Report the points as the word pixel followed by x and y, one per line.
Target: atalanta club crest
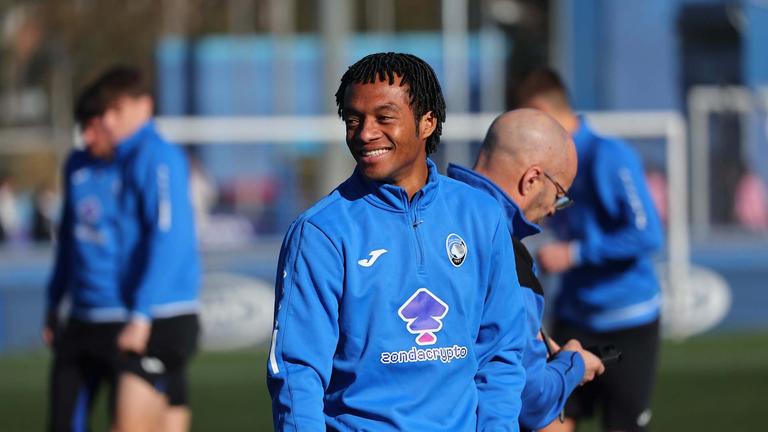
pixel 89 210
pixel 456 249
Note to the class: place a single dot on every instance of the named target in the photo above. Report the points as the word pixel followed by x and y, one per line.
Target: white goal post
pixel 462 128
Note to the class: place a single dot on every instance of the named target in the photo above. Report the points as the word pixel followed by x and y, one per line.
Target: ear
pixel 528 181
pixel 427 125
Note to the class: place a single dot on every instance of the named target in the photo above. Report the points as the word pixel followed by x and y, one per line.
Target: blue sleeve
pixel 166 215
pixel 548 386
pixel 500 342
pixel 57 285
pixel 634 228
pixel 306 332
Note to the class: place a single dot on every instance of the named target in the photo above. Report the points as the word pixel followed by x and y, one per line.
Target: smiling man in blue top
pixel 395 306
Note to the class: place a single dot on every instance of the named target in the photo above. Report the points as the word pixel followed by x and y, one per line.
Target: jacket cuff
pixel 571 366
pixel 140 316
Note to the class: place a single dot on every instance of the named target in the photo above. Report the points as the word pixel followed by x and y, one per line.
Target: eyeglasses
pixel 561 200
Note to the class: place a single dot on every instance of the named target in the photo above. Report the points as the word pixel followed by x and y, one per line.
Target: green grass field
pixel 714 383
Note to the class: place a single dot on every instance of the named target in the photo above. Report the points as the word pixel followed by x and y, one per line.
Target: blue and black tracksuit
pixel 126 249
pixel 548 383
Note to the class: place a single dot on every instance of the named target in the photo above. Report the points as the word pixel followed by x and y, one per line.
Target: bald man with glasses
pixel 609 293
pixel 524 161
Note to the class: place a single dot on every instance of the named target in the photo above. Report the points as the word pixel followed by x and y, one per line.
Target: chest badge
pixel 456 249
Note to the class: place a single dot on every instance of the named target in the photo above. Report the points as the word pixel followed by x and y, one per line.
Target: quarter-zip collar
pixel 394 198
pixel 519 226
pixel 127 145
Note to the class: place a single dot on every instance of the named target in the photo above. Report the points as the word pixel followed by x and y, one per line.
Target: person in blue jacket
pixel 609 292
pixel 527 162
pixel 85 349
pixel 127 252
pixel 396 308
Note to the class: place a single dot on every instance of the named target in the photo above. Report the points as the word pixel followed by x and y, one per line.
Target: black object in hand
pixel 607 354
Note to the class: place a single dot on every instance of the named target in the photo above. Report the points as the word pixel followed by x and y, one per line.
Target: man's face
pixel 551 188
pixel 97 139
pixel 126 115
pixel 383 136
pixel 543 204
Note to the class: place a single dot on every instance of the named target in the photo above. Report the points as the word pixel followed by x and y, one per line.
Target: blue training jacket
pixel 397 315
pixel 547 383
pixel 614 229
pixel 126 241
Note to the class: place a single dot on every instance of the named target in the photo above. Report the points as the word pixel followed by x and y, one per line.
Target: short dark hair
pixel 87 107
pixel 542 81
pixel 111 85
pixel 423 87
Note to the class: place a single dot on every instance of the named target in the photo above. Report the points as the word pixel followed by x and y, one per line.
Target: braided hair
pixel 414 73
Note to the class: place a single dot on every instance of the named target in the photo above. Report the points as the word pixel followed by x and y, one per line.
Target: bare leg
pixel 140 407
pixel 177 419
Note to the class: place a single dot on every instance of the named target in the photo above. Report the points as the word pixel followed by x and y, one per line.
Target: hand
pixel 592 365
pixel 555 257
pixel 48 336
pixel 134 336
pixel 49 329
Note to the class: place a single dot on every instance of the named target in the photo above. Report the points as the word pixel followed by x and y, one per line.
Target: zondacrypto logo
pixel 423 313
pixel 443 354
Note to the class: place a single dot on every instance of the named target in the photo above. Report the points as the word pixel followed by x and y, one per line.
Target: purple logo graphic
pixel 423 312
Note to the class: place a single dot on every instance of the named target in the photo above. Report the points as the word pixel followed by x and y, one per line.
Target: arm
pixel 60 277
pixel 499 346
pixel 623 194
pixel 547 387
pixel 166 218
pixel 306 332
pixel 548 384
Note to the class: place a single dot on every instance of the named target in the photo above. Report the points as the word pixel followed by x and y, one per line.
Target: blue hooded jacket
pixel 547 383
pixel 396 315
pixel 614 230
pixel 126 242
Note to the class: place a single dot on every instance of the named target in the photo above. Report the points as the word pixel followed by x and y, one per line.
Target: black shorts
pixel 624 391
pixel 171 345
pixel 85 356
